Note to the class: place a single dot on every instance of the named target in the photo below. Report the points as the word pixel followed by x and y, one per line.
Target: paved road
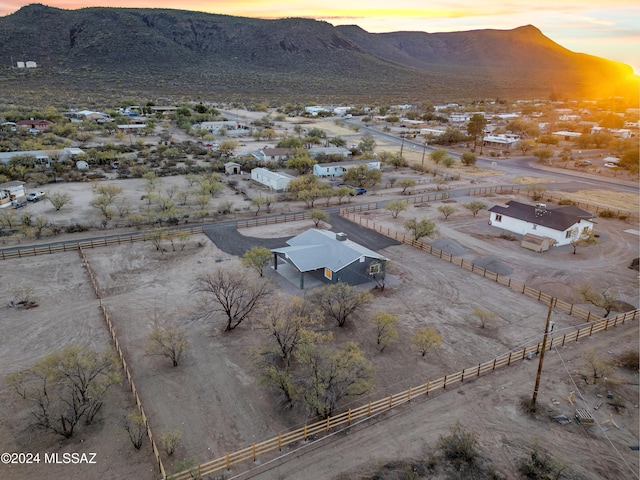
pixel 518 165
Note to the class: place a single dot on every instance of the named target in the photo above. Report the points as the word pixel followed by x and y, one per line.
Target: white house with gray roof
pixel 331 257
pixel 557 223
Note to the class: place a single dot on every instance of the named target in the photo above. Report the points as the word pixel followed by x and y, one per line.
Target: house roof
pixel 315 249
pixel 557 218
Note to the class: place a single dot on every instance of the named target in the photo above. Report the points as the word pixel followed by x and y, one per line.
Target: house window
pixel 328 273
pixel 374 269
pixel 535 227
pixel 569 234
pixel 498 218
pixel 585 231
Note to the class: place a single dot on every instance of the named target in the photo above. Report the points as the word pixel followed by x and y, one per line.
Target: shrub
pixel 541 466
pixel 607 214
pixel 630 360
pixel 566 201
pixel 460 446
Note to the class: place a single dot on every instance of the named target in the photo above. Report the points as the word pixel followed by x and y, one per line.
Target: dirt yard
pixel 213 396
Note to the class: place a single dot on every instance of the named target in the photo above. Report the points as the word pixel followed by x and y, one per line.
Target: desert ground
pixel 213 396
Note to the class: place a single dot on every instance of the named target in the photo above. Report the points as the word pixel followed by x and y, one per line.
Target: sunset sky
pixel 608 29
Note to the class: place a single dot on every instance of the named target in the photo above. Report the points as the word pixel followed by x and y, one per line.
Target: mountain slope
pixel 171 51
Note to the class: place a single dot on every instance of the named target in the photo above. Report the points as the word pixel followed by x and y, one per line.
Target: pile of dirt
pixel 449 246
pixel 494 265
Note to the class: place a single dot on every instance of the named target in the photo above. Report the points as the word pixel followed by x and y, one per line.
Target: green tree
pixel 67 386
pixel 340 300
pixel 475 128
pixel 386 328
pixel 405 183
pixel 329 376
pixel 367 143
pixel 579 239
pixel 426 339
pixel 475 206
pixel 438 155
pixel 525 145
pixel 362 176
pixel 167 341
pixel 257 258
pixel 468 158
pixel 446 210
pixel 395 207
pixel 542 154
pixel 258 202
pixel 318 216
pixel 303 164
pixel 342 192
pixel 420 228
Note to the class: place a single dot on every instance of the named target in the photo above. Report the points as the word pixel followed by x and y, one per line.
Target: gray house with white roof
pixel 331 257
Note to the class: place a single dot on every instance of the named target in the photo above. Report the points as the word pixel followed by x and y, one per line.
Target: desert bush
pixel 630 360
pixel 541 466
pixel 607 214
pixel 460 446
pixel 170 440
pixel 566 201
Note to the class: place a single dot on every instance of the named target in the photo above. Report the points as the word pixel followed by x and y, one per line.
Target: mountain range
pixel 175 53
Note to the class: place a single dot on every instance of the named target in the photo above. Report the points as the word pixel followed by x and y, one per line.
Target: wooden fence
pixel 514 285
pixel 116 344
pixel 101 242
pixel 345 419
pixel 258 221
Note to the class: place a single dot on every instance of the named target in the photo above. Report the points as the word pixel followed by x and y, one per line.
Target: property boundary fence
pixel 125 367
pixel 345 419
pixel 514 285
pixel 102 242
pixel 287 217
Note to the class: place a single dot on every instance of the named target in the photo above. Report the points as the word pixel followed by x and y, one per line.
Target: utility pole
pixel 544 348
pixel 402 144
pixel 424 151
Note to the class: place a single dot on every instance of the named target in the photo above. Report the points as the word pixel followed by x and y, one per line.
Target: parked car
pixel 610 165
pixel 35 196
pixel 357 190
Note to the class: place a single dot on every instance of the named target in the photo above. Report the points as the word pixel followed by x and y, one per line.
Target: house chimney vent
pixel 341 237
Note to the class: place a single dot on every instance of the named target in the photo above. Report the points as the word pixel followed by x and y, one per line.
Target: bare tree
pixel 483 315
pixel 167 341
pixel 230 292
pixel 133 424
pixel 605 300
pixel 340 300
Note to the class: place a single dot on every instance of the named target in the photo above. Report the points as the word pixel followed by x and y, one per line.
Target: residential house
pixel 273 154
pixel 556 223
pixel 42 157
pixel 11 192
pixel 329 151
pixel 337 169
pixel 34 125
pixel 504 141
pixel 273 180
pixel 329 257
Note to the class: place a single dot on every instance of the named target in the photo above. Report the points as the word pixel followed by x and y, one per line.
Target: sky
pixel 609 29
